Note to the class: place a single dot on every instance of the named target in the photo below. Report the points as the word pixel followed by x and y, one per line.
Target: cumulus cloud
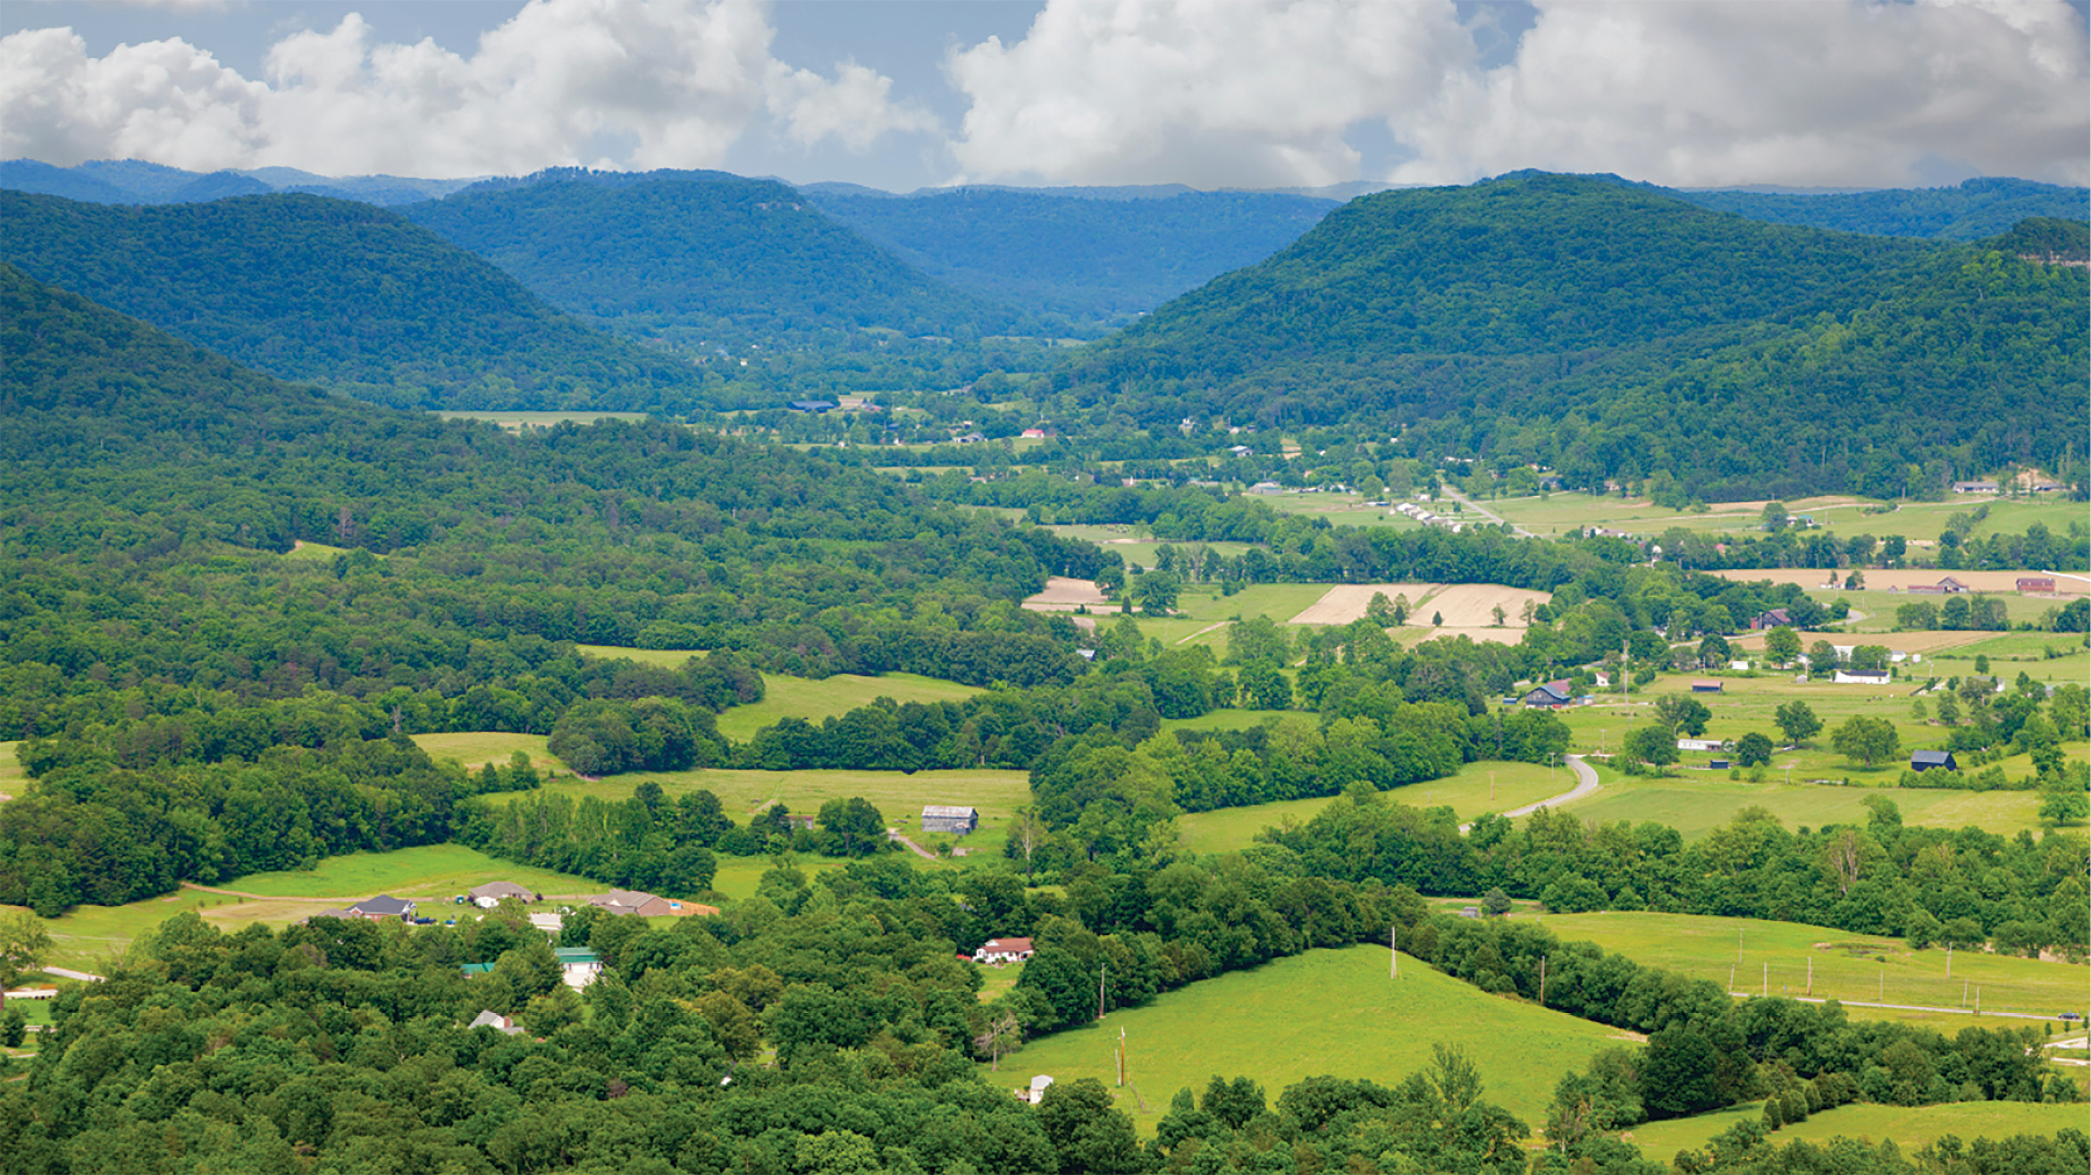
pixel 1264 92
pixel 1756 92
pixel 614 83
pixel 1186 91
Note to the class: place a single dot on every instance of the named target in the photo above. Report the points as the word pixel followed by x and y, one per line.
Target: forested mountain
pixel 699 260
pixel 1614 332
pixel 344 294
pixel 130 181
pixel 1094 262
pixel 1969 211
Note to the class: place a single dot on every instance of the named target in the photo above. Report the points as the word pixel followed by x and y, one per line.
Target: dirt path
pixel 1586 785
pixel 1186 640
pixel 1478 508
pixel 894 834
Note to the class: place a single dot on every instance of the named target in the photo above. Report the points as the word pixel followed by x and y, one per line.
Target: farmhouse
pixel 1926 760
pixel 1003 950
pixel 2036 585
pixel 1944 587
pixel 1860 677
pixel 1700 744
pixel 487 896
pixel 945 818
pixel 383 906
pixel 1702 686
pixel 1553 693
pixel 1975 487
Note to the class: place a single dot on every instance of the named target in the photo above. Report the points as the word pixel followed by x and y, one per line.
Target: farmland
pixel 1911 1127
pixel 1467 793
pixel 1331 1012
pixel 477 748
pixel 800 697
pixel 13 776
pixel 900 797
pixel 1778 956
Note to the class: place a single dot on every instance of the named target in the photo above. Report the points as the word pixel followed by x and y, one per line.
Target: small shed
pixel 946 818
pixel 1927 760
pixel 1702 686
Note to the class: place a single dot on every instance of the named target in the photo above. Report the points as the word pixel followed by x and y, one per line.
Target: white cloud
pixel 1153 91
pixel 1249 92
pixel 616 83
pixel 1770 92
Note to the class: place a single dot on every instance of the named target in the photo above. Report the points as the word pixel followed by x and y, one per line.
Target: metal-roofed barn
pixel 945 818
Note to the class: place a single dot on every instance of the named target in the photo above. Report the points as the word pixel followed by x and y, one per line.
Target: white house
pixel 1003 950
pixel 1861 677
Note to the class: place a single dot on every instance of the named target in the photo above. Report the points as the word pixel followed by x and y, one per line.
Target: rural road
pixel 1586 785
pixel 1478 508
pixel 82 976
pixel 1909 1007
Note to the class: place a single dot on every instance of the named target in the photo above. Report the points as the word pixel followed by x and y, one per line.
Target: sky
pixel 903 94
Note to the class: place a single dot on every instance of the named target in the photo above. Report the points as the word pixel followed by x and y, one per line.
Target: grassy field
pixel 1324 1012
pixel 1514 785
pixel 477 748
pixel 1703 801
pixel 1879 608
pixel 798 697
pixel 1924 521
pixel 898 796
pixel 314 552
pixel 1845 966
pixel 1912 1127
pixel 13 776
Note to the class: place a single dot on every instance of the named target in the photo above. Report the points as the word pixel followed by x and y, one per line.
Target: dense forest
pixel 1626 332
pixel 339 293
pixel 1969 211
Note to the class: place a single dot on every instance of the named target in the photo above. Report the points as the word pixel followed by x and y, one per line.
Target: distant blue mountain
pixel 130 181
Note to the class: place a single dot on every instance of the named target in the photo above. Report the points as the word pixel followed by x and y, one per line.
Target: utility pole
pixel 1949 960
pixel 1393 952
pixel 1102 977
pixel 1731 981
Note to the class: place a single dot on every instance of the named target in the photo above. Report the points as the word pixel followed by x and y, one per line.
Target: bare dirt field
pixel 1065 595
pixel 1347 602
pixel 2066 583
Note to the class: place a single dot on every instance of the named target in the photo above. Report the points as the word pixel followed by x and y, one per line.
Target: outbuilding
pixel 946 818
pixel 1703 686
pixel 1928 760
pixel 1553 693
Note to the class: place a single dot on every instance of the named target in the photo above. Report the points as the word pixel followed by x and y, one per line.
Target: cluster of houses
pixel 1427 517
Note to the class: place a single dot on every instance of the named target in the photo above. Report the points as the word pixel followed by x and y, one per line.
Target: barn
pixel 944 818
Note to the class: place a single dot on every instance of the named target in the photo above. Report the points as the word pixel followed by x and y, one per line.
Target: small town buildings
pixel 487 896
pixel 945 818
pixel 549 923
pixel 1003 950
pixel 1266 488
pixel 1553 693
pixel 382 906
pixel 1703 686
pixel 1927 760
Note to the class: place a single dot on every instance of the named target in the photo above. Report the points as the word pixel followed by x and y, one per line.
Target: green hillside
pixel 699 259
pixel 338 293
pixel 1094 262
pixel 1612 332
pixel 1968 211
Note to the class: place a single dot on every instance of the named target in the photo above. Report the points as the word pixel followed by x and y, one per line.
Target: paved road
pixel 1586 785
pixel 83 976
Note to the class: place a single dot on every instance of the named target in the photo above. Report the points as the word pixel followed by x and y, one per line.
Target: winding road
pixel 1586 785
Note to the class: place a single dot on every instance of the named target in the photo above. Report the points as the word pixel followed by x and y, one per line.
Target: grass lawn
pixel 1222 720
pixel 1912 1127
pixel 1846 966
pixel 1705 800
pixel 13 776
pixel 898 796
pixel 476 748
pixel 1467 793
pixel 1331 1012
pixel 426 873
pixel 310 552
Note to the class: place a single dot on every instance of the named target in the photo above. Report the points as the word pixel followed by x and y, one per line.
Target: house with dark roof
pixel 383 906
pixel 1776 618
pixel 487 896
pixel 1553 693
pixel 1927 760
pixel 814 407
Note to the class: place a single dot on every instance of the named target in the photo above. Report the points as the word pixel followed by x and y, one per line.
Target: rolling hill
pixel 343 294
pixel 1968 211
pixel 699 259
pixel 1615 331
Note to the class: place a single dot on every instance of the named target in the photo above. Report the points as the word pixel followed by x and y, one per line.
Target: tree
pixel 1822 659
pixel 1682 712
pixel 1782 645
pixel 1679 1074
pixel 1157 592
pixel 1653 745
pixel 1714 652
pixel 1496 902
pixel 1773 516
pixel 1866 738
pixel 853 827
pixel 2064 805
pixel 24 942
pixel 1002 1035
pixel 1265 687
pixel 1797 721
pixel 1753 750
pixel 1027 835
pixel 1089 1135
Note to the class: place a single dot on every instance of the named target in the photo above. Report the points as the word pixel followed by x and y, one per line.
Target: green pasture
pixel 2018 648
pixel 1879 608
pixel 13 776
pixel 1777 957
pixel 314 552
pixel 1911 1127
pixel 425 873
pixel 665 658
pixel 1558 513
pixel 898 796
pixel 738 877
pixel 1468 793
pixel 473 749
pixel 1222 720
pixel 799 697
pixel 1695 803
pixel 1332 1012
